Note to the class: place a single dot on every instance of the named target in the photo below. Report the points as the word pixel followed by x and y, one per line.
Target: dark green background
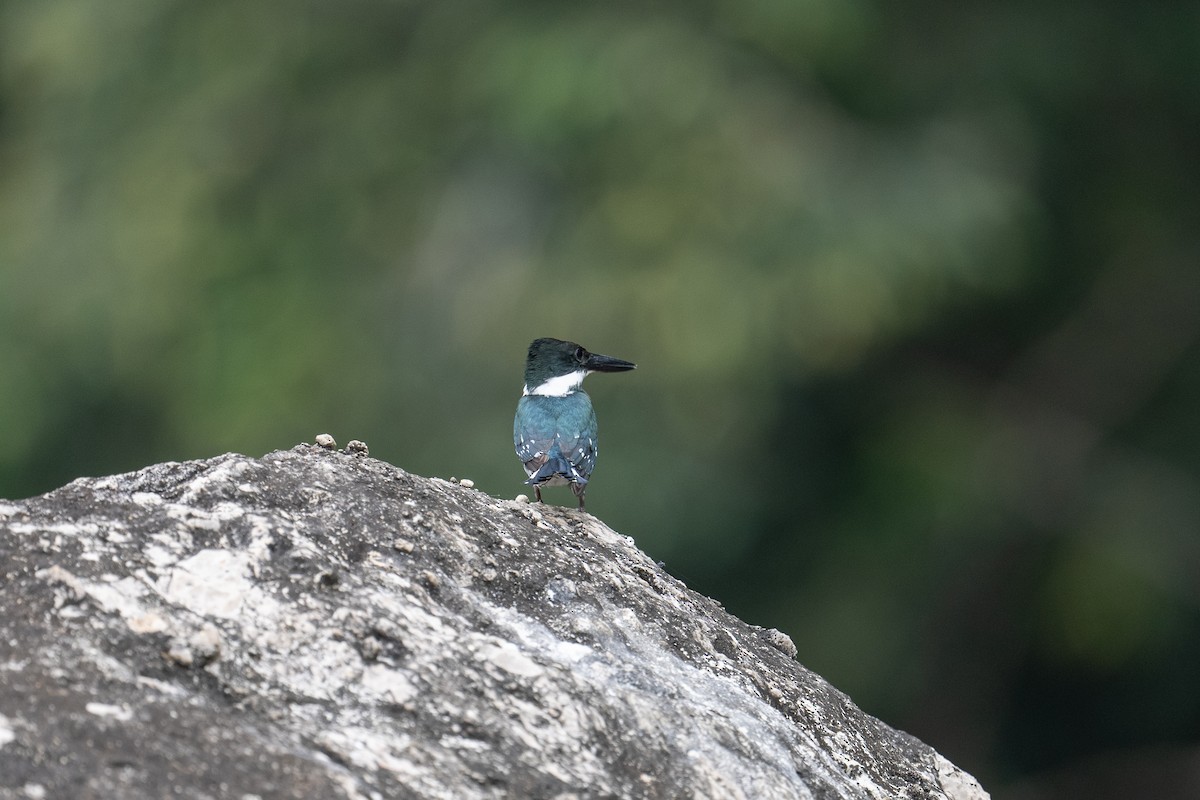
pixel 914 290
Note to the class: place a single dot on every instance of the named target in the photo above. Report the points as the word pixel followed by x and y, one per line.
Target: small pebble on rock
pixel 206 642
pixel 522 498
pixel 181 654
pixel 467 482
pixel 371 648
pixel 355 446
pixel 326 441
pixel 782 642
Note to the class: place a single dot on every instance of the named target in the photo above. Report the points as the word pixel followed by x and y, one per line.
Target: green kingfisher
pixel 555 427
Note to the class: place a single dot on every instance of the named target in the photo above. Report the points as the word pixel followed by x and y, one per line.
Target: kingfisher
pixel 555 428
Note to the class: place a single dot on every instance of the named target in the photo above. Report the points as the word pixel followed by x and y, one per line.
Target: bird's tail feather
pixel 556 464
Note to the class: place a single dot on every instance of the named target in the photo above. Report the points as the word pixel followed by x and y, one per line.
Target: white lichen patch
pixel 74 530
pixel 168 689
pixel 387 684
pixel 120 596
pixel 508 657
pixel 957 784
pixel 120 713
pixel 7 733
pixel 213 583
pixel 368 749
pixel 158 556
pixel 320 668
pixel 229 470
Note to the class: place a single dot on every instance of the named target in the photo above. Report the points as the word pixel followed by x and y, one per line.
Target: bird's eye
pixel 581 354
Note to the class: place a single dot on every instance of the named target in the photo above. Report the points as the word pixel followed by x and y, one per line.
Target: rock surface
pixel 319 624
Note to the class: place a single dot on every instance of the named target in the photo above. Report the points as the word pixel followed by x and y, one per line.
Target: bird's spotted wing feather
pixel 580 451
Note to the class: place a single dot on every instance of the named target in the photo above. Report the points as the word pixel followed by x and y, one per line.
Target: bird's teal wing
pixel 577 440
pixel 533 432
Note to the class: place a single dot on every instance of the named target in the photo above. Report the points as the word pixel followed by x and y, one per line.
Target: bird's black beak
pixel 598 363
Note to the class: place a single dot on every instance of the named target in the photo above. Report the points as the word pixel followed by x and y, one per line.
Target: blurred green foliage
pixel 912 288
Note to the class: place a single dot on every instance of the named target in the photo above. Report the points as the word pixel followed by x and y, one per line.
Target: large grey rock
pixel 318 624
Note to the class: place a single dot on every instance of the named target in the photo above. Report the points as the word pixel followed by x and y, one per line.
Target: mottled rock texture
pixel 320 624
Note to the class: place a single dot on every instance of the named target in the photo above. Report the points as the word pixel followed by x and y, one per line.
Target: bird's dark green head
pixel 557 367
